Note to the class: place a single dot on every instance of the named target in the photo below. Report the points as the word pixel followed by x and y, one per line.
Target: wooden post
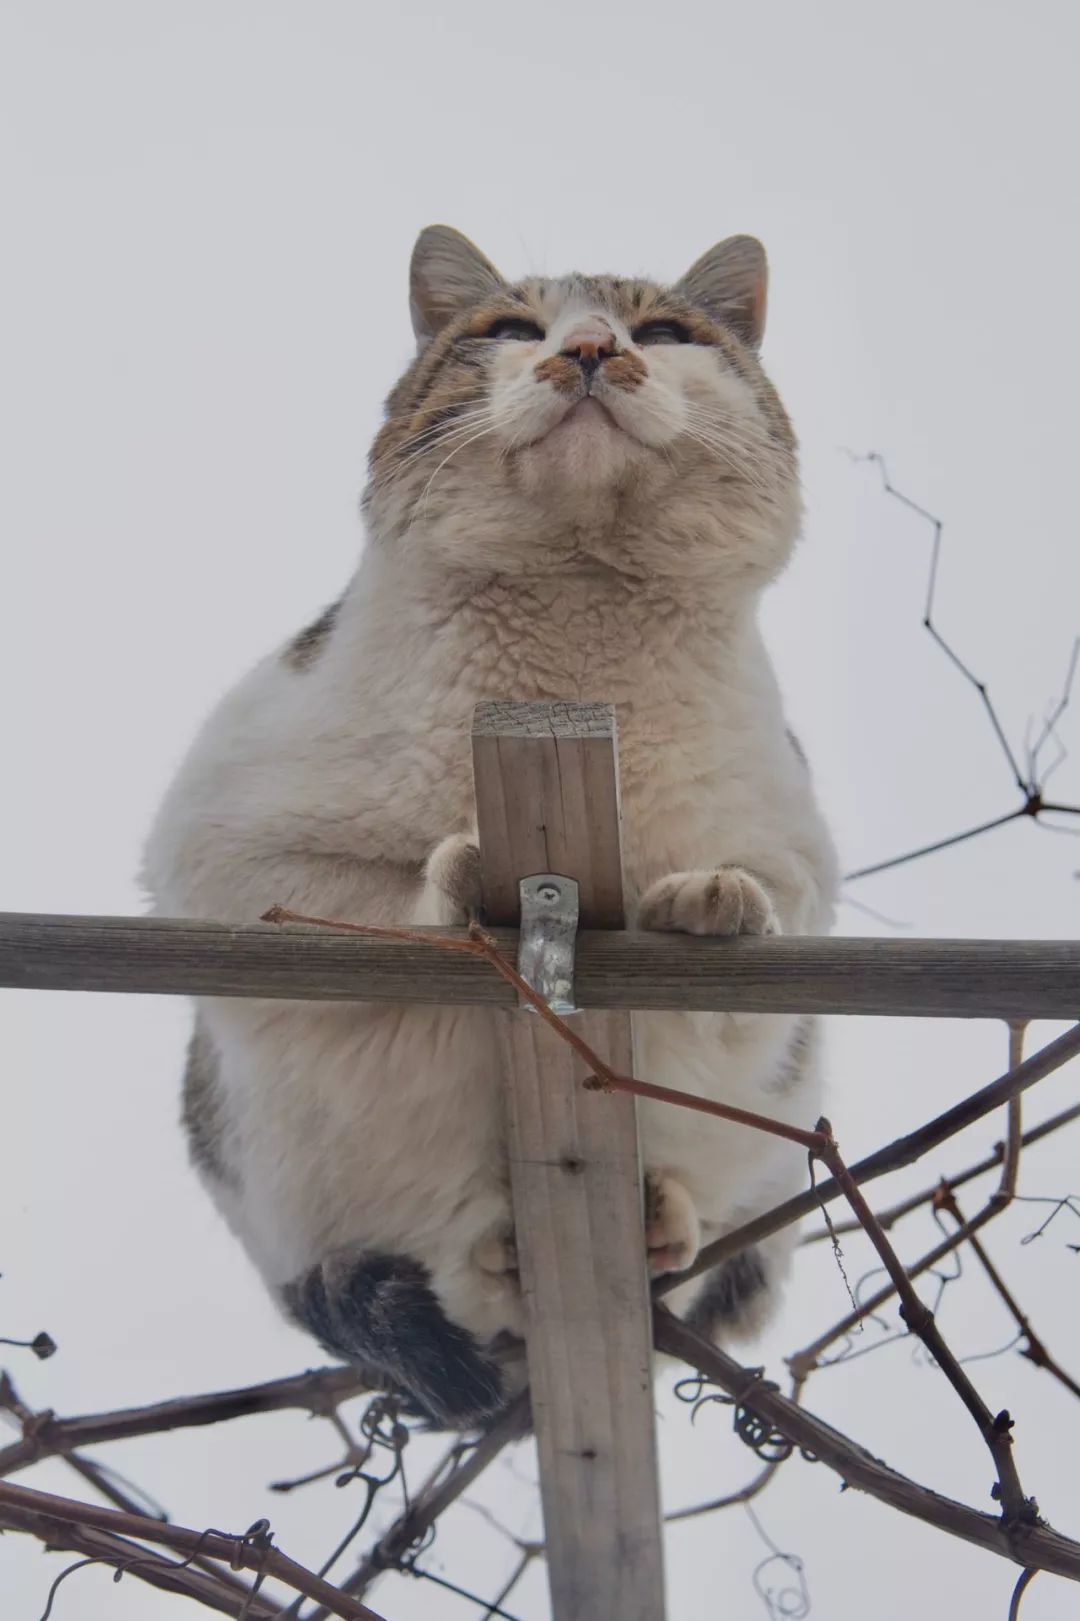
pixel 547 801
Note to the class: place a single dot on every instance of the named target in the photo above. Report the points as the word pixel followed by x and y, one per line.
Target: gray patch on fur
pixel 799 1052
pixel 727 1292
pixel 304 649
pixel 203 1110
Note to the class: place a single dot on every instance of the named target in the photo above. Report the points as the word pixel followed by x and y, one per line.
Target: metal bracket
pixel 549 920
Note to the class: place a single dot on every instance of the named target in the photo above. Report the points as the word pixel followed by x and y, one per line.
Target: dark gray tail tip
pixel 729 1293
pixel 380 1311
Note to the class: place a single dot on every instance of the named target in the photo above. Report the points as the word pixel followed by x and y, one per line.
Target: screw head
pixel 548 893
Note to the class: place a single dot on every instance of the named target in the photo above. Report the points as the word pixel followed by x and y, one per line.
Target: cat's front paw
pixel 726 901
pixel 452 877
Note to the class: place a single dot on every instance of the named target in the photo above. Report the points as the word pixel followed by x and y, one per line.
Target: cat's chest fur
pixel 699 722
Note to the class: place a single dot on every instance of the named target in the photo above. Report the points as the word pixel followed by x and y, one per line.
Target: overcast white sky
pixel 209 207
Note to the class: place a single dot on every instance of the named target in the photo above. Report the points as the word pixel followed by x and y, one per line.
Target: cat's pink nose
pixel 589 342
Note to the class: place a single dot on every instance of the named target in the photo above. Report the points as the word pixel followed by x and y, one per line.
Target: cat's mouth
pixel 590 441
pixel 592 407
pixel 586 415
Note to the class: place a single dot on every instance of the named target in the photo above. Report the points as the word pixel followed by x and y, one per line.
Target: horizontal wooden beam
pixel 959 979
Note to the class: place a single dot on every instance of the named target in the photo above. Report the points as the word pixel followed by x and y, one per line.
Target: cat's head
pixel 587 418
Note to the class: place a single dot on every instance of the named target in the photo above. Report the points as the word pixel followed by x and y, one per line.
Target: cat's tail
pixel 380 1312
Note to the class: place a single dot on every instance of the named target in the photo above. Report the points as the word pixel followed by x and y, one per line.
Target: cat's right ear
pixel 730 282
pixel 447 274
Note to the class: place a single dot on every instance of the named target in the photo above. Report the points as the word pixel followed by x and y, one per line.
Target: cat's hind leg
pixel 672 1228
pixel 380 1312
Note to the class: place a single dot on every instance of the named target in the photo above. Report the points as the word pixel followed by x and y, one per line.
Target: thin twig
pixel 1010 1164
pixel 743 1495
pixel 932 849
pixel 994 1429
pixel 902 1151
pixel 805 1361
pixel 915 1201
pixel 1033 1347
pixel 1023 1582
pixel 529 1552
pixel 444 1487
pixel 1031 786
pixel 600 1077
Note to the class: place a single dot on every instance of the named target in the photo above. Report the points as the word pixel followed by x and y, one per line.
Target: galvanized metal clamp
pixel 549 920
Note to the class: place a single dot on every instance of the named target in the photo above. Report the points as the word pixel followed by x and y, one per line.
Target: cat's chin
pixel 585 447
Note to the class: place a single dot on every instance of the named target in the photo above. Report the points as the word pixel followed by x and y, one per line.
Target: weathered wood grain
pixel 547 792
pixel 547 801
pixel 959 979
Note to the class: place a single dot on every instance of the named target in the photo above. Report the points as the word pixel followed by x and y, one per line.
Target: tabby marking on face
pixel 305 648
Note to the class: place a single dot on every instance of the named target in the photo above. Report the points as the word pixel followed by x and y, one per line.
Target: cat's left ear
pixel 448 273
pixel 730 283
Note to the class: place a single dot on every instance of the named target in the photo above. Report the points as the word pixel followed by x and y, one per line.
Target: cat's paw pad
pixel 726 901
pixel 672 1227
pixel 496 1254
pixel 453 870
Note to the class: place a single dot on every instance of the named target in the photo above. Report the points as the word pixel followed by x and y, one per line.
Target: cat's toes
pixel 495 1261
pixel 672 1227
pixel 453 872
pixel 496 1254
pixel 726 901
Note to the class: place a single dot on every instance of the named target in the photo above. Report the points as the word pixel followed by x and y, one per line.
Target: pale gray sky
pixel 209 208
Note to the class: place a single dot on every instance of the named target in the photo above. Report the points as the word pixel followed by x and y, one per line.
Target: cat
pixel 580 490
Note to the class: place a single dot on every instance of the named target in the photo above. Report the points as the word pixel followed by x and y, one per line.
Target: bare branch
pixel 915 1201
pixel 252 1549
pixel 994 1429
pixel 805 1361
pixel 1026 1543
pixel 316 1392
pixel 1033 803
pixel 937 531
pixel 454 1476
pixel 903 1151
pixel 144 1564
pixel 745 1494
pixel 932 849
pixel 1033 1348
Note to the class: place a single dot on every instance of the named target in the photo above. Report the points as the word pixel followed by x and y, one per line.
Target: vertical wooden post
pixel 547 801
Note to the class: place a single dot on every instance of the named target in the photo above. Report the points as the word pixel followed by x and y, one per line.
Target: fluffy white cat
pixel 580 490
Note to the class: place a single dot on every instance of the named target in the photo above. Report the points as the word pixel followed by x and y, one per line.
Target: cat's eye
pixel 511 326
pixel 661 332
